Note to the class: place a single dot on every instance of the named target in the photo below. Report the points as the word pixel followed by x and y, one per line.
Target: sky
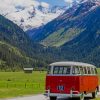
pixel 4 4
pixel 56 2
pixel 11 4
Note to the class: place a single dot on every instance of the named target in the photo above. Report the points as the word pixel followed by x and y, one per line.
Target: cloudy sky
pixel 11 4
pixel 27 2
pixel 8 6
pixel 57 2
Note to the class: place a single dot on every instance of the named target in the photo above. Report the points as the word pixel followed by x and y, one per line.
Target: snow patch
pixel 44 4
pixel 28 13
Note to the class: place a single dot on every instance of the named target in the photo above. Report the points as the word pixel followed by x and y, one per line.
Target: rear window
pixel 89 70
pixel 61 70
pixel 75 70
pixel 93 71
pixel 82 71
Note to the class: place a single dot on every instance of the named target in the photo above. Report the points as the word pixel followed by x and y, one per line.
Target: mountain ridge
pixel 67 26
pixel 16 49
pixel 73 36
pixel 30 14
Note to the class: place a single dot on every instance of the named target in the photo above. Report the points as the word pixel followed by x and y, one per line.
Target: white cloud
pixel 8 6
pixel 15 10
pixel 69 1
pixel 44 4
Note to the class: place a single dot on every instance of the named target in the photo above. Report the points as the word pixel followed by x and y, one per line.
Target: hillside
pixel 12 42
pixel 69 25
pixel 12 59
pixel 76 33
pixel 16 49
pixel 86 46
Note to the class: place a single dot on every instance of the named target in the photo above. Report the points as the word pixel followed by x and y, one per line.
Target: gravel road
pixel 39 97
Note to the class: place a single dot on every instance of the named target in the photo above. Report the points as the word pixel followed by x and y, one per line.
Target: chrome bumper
pixel 59 95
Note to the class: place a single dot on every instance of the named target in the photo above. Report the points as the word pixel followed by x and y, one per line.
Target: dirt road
pixel 38 97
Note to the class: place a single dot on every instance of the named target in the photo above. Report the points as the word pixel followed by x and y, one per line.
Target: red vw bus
pixel 71 79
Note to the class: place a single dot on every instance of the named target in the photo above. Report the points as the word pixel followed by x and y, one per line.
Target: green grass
pixel 98 71
pixel 14 84
pixel 61 36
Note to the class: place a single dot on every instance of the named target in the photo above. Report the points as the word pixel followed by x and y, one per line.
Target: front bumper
pixel 59 95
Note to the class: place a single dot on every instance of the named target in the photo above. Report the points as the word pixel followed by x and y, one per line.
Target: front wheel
pixel 81 97
pixel 94 94
pixel 52 98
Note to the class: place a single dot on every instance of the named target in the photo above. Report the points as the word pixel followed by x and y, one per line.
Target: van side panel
pixel 88 83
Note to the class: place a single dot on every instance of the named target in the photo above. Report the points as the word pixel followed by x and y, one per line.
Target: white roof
pixel 70 63
pixel 28 68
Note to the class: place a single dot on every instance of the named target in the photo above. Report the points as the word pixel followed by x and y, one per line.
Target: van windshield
pixel 61 70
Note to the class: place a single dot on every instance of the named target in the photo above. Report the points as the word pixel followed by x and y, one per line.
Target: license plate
pixel 60 88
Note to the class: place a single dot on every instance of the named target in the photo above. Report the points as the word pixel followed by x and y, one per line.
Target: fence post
pixel 39 85
pixel 25 85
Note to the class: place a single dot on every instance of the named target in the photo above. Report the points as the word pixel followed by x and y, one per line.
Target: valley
pixel 35 33
pixel 72 36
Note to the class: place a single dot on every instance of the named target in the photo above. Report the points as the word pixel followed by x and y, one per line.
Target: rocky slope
pixel 30 14
pixel 69 25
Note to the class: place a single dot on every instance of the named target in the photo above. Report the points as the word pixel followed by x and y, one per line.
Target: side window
pixel 85 70
pixel 56 70
pixel 75 70
pixel 89 70
pixel 93 71
pixel 81 70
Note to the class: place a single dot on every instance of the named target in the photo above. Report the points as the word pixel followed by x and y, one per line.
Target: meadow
pixel 13 84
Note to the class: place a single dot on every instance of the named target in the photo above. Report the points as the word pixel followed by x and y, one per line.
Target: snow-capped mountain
pixel 78 20
pixel 29 14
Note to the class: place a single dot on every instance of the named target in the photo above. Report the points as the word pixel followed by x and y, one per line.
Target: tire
pixel 94 94
pixel 52 98
pixel 81 97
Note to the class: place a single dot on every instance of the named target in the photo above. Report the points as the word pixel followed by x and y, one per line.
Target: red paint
pixel 85 83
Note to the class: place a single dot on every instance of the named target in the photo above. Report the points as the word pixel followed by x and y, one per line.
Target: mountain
pixel 69 25
pixel 30 14
pixel 76 33
pixel 18 51
pixel 13 43
pixel 86 46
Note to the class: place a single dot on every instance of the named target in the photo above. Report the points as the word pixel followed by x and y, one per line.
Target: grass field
pixel 13 84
